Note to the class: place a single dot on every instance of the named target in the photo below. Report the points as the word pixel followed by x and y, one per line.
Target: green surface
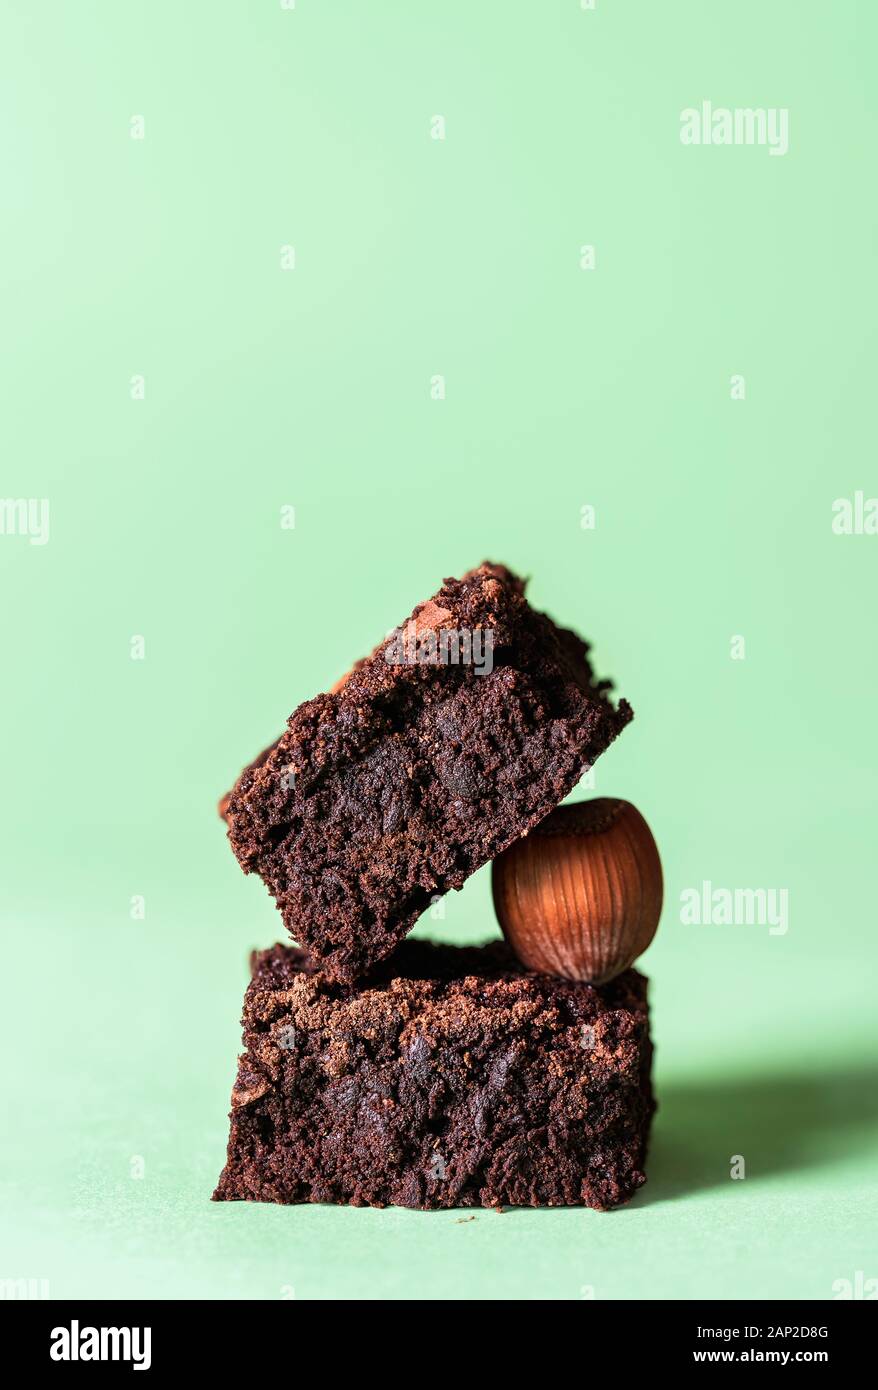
pixel 310 388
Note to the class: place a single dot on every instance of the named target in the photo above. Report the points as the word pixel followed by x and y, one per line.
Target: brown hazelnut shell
pixel 580 896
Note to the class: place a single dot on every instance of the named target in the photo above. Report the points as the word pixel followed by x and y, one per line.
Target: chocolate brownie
pixel 453 1077
pixel 454 738
pixel 225 799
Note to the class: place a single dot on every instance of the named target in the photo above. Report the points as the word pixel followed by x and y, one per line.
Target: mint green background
pixel 311 388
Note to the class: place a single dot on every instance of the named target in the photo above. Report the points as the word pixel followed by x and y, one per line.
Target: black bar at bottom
pixel 252 1338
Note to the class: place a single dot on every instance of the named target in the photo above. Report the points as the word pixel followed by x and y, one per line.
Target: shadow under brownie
pixel 452 1077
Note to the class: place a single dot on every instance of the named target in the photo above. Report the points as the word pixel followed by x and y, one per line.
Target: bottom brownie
pixel 453 1077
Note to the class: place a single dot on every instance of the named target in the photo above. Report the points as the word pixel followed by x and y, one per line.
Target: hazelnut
pixel 581 895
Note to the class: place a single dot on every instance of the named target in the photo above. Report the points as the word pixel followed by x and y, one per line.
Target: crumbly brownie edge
pixel 354 915
pixel 462 1081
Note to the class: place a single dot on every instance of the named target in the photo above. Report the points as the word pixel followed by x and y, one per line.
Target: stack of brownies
pixel 383 1071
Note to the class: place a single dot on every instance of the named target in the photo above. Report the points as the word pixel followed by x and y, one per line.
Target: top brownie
pixel 455 737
